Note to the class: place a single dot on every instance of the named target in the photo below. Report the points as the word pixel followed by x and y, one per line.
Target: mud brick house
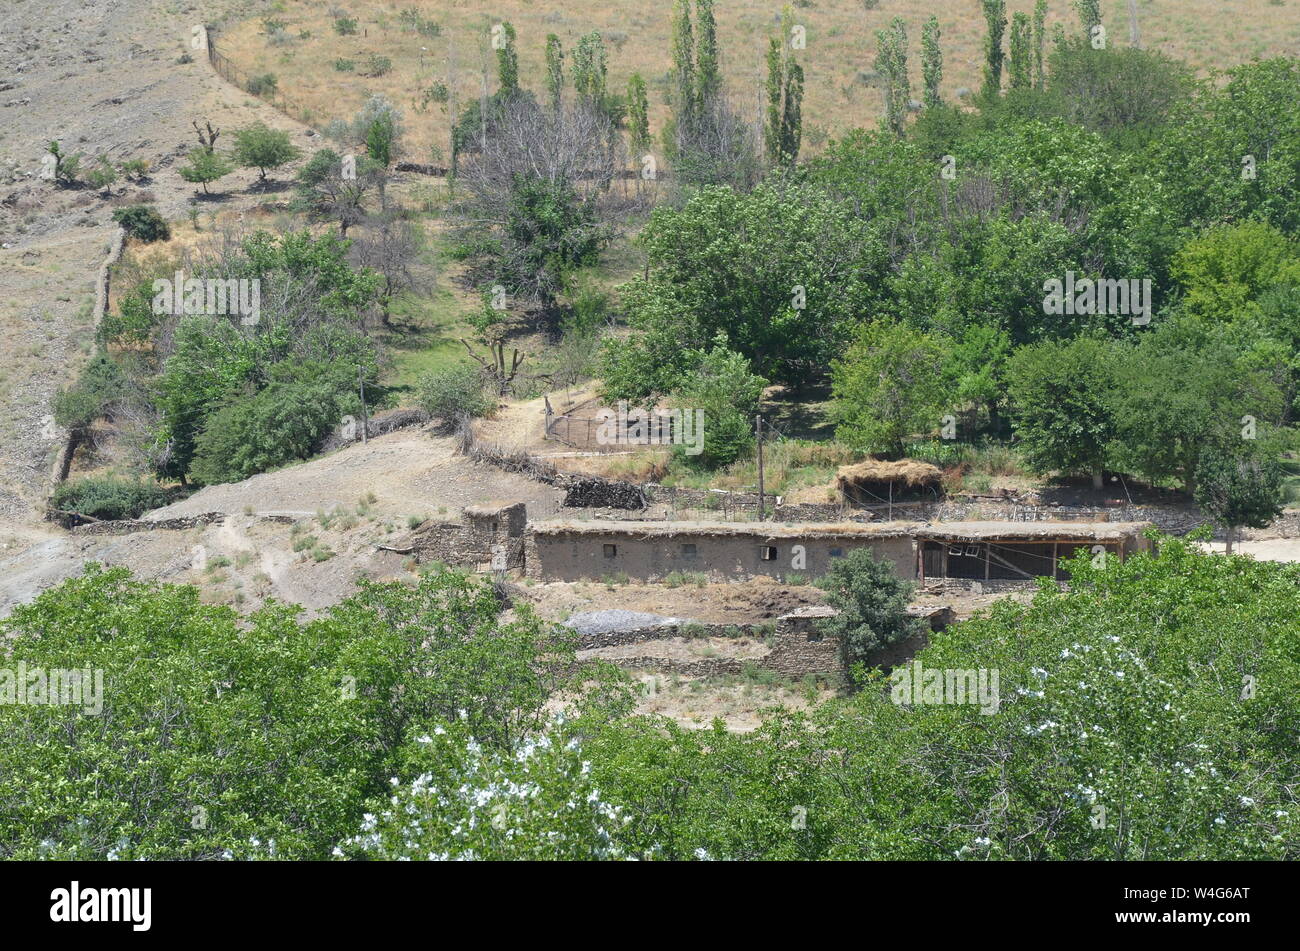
pixel 565 550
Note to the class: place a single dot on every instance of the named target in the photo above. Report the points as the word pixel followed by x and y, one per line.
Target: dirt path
pixel 102 78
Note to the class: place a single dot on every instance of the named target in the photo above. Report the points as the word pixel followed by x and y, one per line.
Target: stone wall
pixel 128 526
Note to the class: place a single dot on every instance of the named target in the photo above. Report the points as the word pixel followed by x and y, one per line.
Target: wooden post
pixel 758 429
pixel 365 420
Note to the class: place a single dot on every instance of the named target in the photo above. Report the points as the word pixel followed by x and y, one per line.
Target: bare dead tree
pixel 208 139
pixel 574 154
pixel 501 376
pixel 390 245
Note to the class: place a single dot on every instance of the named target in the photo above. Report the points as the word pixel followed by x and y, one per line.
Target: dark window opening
pixel 610 550
pixel 837 552
pixel 688 550
pixel 767 553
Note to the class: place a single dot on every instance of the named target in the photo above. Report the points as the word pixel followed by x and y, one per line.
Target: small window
pixel 767 553
pixel 688 550
pixel 610 550
pixel 837 552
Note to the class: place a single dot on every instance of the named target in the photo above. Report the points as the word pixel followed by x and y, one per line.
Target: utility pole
pixel 758 430
pixel 365 420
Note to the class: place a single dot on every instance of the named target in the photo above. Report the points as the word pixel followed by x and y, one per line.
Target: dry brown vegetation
pixel 841 91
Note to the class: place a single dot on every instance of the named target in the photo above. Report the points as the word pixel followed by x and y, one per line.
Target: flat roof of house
pixel 938 531
pixel 1030 531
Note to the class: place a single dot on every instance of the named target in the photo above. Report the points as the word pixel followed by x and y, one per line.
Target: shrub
pixel 109 497
pixel 453 394
pixel 345 26
pixel 344 65
pixel 872 602
pixel 143 223
pixel 263 84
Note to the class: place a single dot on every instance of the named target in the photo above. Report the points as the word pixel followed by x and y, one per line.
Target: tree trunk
pixel 1097 482
pixel 1227 550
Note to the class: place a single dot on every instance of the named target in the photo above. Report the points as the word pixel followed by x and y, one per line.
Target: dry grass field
pixel 838 59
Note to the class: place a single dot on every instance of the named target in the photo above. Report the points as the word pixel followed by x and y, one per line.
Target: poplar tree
pixel 683 71
pixel 995 14
pixel 708 81
pixel 1040 40
pixel 508 63
pixel 554 71
pixel 891 62
pixel 589 65
pixel 931 61
pixel 638 113
pixel 1020 67
pixel 1089 14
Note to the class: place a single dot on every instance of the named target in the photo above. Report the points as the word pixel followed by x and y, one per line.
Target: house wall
pixel 570 557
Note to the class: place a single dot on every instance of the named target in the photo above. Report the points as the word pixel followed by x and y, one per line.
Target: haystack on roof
pixel 908 472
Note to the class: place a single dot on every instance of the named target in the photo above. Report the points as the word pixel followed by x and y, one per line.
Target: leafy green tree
pixel 783 271
pixel 638 114
pixel 206 735
pixel 1125 93
pixel 453 394
pixel 508 62
pixel 995 17
pixel 204 167
pixel 1234 152
pixel 325 192
pixel 891 62
pixel 879 778
pixel 1020 66
pixel 931 62
pixel 143 223
pixel 590 63
pixel 99 386
pixel 1089 14
pixel 279 424
pixel 721 386
pixel 554 71
pixel 889 386
pixel 1226 269
pixel 102 175
pixel 263 149
pixel 708 79
pixel 66 166
pixel 1180 389
pixel 683 69
pixel 1238 488
pixel 872 601
pixel 1040 43
pixel 1061 399
pixel 536 802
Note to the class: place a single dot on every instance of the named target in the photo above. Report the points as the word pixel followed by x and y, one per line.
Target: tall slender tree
pixel 590 63
pixel 792 113
pixel 1020 67
pixel 638 114
pixel 995 15
pixel 554 71
pixel 708 80
pixel 1040 41
pixel 683 69
pixel 931 61
pixel 508 62
pixel 1089 14
pixel 891 63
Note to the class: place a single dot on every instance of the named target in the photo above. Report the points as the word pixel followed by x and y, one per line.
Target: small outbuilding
pixel 878 482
